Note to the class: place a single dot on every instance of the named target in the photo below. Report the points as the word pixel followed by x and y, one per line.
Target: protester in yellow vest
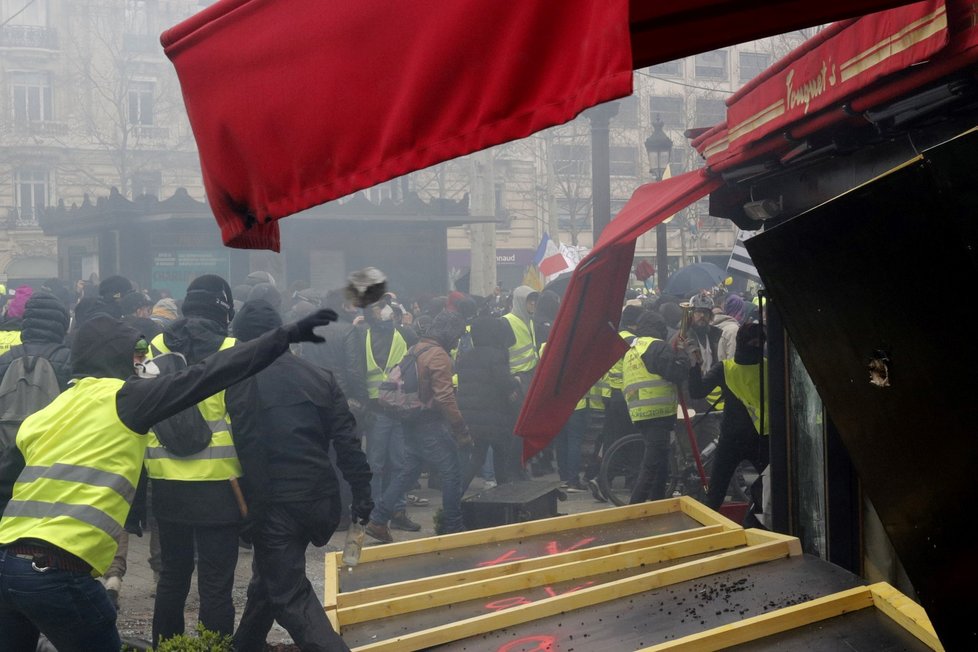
pixel 523 354
pixel 193 497
pixel 82 457
pixel 651 371
pixel 740 382
pixel 13 313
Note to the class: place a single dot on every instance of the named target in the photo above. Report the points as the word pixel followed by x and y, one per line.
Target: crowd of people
pixel 91 437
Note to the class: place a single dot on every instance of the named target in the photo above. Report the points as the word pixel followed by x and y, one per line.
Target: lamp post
pixel 659 147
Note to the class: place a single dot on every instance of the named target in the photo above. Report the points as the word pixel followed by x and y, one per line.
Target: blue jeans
pixel 71 609
pixel 568 443
pixel 385 455
pixel 427 441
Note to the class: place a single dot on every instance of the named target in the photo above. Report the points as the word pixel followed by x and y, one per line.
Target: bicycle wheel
pixel 620 466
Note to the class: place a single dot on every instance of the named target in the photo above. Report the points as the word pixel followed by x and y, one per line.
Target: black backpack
pixel 29 384
pixel 399 395
pixel 186 432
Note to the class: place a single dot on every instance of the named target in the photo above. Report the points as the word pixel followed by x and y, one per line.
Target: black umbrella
pixel 559 284
pixel 693 278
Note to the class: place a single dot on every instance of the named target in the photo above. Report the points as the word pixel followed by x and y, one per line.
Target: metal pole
pixel 600 117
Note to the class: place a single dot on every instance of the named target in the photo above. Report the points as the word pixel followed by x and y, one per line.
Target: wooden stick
pixel 239 497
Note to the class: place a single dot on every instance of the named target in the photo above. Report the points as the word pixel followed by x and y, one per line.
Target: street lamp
pixel 659 147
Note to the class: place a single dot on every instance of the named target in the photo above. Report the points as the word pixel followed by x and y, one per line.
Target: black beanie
pixel 255 319
pixel 114 287
pixel 209 296
pixel 45 318
pixel 651 324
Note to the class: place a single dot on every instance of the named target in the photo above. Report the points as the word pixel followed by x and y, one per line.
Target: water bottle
pixel 354 543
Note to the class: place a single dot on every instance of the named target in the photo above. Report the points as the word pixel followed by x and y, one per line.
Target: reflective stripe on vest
pixel 523 354
pixel 8 339
pixel 218 461
pixel 376 375
pixel 81 474
pixel 648 395
pixel 744 380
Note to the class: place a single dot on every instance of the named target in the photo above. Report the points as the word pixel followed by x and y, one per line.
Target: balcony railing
pixel 29 36
pixel 22 219
pixel 49 128
pixel 150 132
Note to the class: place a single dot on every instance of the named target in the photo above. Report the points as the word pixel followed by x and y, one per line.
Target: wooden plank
pixel 774 622
pixel 582 598
pixel 700 512
pixel 519 530
pixel 756 536
pixel 540 577
pixel 331 581
pixel 906 613
pixel 421 585
pixel 331 616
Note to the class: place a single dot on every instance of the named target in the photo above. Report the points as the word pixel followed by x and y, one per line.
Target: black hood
pixel 255 319
pixel 194 337
pixel 45 319
pixel 103 347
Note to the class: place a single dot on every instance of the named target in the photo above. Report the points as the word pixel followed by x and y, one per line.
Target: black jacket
pixel 484 388
pixel 105 351
pixel 196 502
pixel 344 354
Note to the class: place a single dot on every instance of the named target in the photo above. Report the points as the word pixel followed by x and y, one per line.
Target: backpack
pixel 399 395
pixel 186 432
pixel 29 384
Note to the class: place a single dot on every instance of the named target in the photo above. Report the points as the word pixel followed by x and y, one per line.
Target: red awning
pixel 584 341
pixel 297 103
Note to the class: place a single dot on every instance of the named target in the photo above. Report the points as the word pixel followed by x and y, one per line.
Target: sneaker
pixel 379 531
pixel 489 484
pixel 402 522
pixel 592 484
pixel 417 501
pixel 574 487
pixel 112 586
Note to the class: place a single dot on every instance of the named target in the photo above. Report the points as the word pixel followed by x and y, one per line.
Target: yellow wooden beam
pixel 756 536
pixel 700 512
pixel 582 598
pixel 421 585
pixel 905 612
pixel 331 616
pixel 520 530
pixel 774 622
pixel 331 581
pixel 574 570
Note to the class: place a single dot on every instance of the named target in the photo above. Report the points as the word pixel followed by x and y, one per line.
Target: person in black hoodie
pixel 90 441
pixel 286 419
pixel 193 498
pixel 43 331
pixel 488 396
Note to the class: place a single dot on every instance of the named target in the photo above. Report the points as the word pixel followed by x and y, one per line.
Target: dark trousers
pixel 616 425
pixel 731 449
pixel 217 556
pixel 505 460
pixel 651 483
pixel 71 609
pixel 279 589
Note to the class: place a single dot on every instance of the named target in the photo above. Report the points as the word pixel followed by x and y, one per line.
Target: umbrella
pixel 693 278
pixel 559 284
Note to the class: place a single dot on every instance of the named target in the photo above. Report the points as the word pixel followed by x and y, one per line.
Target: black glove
pixel 302 330
pixel 363 504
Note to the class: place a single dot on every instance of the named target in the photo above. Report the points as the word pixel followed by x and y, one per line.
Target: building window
pixel 624 161
pixel 146 182
pixel 24 12
pixel 670 68
pixel 709 112
pixel 31 190
pixel 141 102
pixel 31 93
pixel 627 112
pixel 752 64
pixel 572 160
pixel 668 109
pixel 137 17
pixel 711 65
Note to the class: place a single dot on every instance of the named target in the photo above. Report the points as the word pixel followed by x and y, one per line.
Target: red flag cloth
pixel 300 102
pixel 584 340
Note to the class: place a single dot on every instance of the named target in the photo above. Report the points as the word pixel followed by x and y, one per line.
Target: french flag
pixel 548 258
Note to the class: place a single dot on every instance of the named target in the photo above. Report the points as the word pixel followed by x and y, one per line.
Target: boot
pixel 379 531
pixel 400 521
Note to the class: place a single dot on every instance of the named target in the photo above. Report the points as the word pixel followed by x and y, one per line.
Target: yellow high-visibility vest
pixel 81 474
pixel 219 461
pixel 376 375
pixel 648 395
pixel 744 380
pixel 523 354
pixel 8 340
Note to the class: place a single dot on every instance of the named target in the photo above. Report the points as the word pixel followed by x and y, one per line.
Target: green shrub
pixel 204 641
